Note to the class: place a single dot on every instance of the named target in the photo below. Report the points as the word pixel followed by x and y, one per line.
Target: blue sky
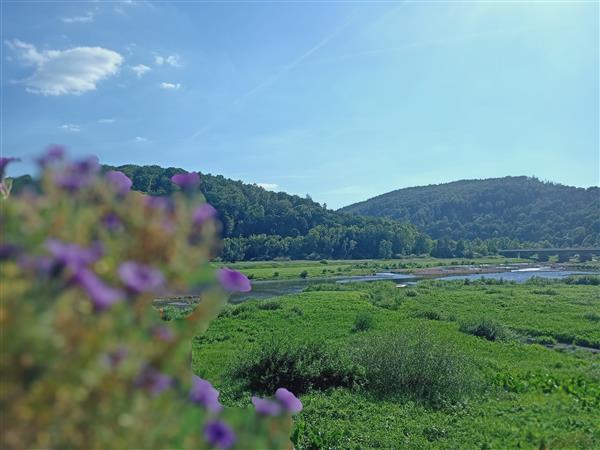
pixel 342 100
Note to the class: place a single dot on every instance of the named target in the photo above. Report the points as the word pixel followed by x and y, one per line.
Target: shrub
pixel 323 261
pixel 297 310
pixel 300 366
pixel 275 274
pixel 364 321
pixel 592 280
pixel 429 315
pixel 486 328
pixel 544 340
pixel 415 365
pixel 269 306
pixel 592 316
pixel 303 274
pixel 411 293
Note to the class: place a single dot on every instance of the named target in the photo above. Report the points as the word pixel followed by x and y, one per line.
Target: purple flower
pixel 111 221
pixel 153 381
pixel 164 203
pixel 116 357
pixel 54 154
pixel 140 278
pixel 9 251
pixel 288 400
pixel 219 434
pixel 121 182
pixel 163 333
pixel 186 180
pixel 203 213
pixel 102 295
pixel 78 174
pixel 266 407
pixel 203 393
pixel 5 162
pixel 72 255
pixel 233 281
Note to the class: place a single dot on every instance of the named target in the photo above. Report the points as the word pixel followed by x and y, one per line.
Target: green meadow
pixel 439 365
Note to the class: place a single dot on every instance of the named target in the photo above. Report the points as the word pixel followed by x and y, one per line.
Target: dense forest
pixel 464 219
pixel 518 208
pixel 260 224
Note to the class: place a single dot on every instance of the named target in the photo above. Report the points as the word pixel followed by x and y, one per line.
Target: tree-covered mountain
pixel 260 224
pixel 518 208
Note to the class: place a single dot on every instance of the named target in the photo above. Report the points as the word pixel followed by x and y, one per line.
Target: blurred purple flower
pixel 157 202
pixel 9 251
pixel 117 356
pixel 203 393
pixel 78 174
pixel 266 407
pixel 233 281
pixel 288 400
pixel 5 162
pixel 40 265
pixel 54 154
pixel 153 381
pixel 163 333
pixel 219 434
pixel 121 182
pixel 102 295
pixel 202 213
pixel 186 180
pixel 111 221
pixel 72 255
pixel 140 278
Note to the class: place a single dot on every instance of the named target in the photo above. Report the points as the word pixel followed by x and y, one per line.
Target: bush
pixel 486 328
pixel 269 306
pixel 414 365
pixel 591 280
pixel 544 340
pixel 429 315
pixel 323 261
pixel 411 293
pixel 592 316
pixel 364 321
pixel 300 366
pixel 303 274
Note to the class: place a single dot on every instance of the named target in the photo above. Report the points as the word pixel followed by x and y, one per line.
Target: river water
pixel 274 288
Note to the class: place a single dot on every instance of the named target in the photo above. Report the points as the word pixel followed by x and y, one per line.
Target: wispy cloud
pixel 61 72
pixel 86 18
pixel 273 78
pixel 141 139
pixel 140 70
pixel 172 86
pixel 171 60
pixel 268 186
pixel 106 120
pixel 70 127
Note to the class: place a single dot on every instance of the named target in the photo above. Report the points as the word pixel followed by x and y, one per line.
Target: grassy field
pixel 440 365
pixel 268 270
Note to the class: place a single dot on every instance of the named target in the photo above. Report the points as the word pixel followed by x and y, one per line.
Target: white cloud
pixel 172 60
pixel 141 139
pixel 86 18
pixel 174 86
pixel 61 72
pixel 268 186
pixel 70 127
pixel 106 121
pixel 140 70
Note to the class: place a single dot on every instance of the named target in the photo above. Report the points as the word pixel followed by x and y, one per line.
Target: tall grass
pixel 415 365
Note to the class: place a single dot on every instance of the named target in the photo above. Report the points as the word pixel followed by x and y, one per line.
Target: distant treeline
pixel 260 224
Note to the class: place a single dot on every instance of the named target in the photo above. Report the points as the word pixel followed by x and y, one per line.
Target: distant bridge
pixel 585 253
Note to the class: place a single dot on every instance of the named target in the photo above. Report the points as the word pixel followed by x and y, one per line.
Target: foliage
pixel 364 321
pixel 87 361
pixel 303 366
pixel 486 328
pixel 517 209
pixel 416 365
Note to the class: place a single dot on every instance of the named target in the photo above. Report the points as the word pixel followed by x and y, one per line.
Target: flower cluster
pixel 88 361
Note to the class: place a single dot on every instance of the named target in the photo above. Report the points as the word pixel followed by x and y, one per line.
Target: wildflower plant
pixel 87 361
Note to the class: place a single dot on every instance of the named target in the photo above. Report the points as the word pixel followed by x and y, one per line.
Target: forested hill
pixel 520 208
pixel 261 224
